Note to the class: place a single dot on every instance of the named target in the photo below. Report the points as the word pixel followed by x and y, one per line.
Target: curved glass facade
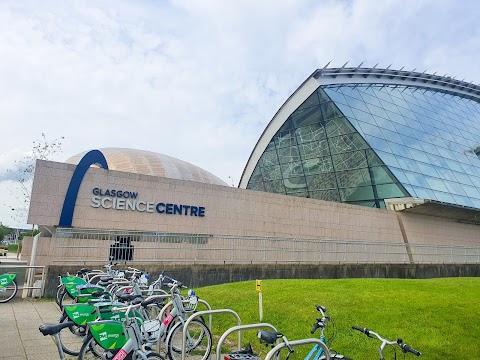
pixel 362 144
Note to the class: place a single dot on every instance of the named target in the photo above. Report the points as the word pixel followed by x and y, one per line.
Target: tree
pixel 4 230
pixel 42 149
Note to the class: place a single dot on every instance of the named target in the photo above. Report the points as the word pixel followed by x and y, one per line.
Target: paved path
pixel 19 335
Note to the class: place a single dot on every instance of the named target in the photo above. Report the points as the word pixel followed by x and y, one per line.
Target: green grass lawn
pixel 438 317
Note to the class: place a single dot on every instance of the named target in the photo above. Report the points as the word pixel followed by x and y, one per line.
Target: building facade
pixel 363 135
pixel 358 166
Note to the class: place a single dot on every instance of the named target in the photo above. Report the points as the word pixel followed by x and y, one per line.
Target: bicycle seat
pixel 128 297
pixel 269 336
pixel 85 270
pixel 52 329
pixel 106 278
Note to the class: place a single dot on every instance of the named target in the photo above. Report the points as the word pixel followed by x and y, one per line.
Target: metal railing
pixel 88 246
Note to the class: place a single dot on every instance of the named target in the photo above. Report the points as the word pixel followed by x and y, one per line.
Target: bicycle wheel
pixel 66 299
pixel 198 342
pixel 71 338
pixel 91 350
pixel 59 294
pixel 8 292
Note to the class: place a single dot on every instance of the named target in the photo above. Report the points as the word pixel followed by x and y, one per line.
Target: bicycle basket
pixel 190 304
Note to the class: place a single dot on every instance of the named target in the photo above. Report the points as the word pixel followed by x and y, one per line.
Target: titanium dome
pixel 150 163
pixel 363 135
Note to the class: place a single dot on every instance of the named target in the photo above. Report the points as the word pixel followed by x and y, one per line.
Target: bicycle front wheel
pixel 198 342
pixel 8 292
pixel 92 350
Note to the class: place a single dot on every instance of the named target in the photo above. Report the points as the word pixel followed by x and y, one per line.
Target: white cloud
pixel 199 80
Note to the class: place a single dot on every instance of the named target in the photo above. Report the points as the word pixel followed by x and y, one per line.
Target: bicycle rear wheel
pixel 8 292
pixel 71 337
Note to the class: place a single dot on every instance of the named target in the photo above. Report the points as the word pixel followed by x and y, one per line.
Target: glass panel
pixel 256 175
pixel 314 149
pixel 327 195
pixel 275 186
pixel 472 191
pixel 407 164
pixel 441 196
pixel 436 184
pixel 288 154
pixel 317 165
pixel 377 143
pixel 294 183
pixel 390 191
pixel 424 193
pixel 399 175
pixel 256 186
pixel 357 193
pixel 381 175
pixel 350 160
pixel 454 188
pixel 330 111
pixel 416 179
pixel 462 200
pixel 269 158
pixel 352 178
pixel 337 97
pixel 271 172
pixel 320 182
pixel 292 169
pixel 338 126
pixel 314 132
pixel 343 143
pixel 285 139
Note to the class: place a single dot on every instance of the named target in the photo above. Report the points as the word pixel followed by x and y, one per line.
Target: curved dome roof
pixel 150 163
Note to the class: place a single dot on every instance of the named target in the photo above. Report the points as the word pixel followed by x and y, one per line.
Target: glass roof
pixel 364 143
pixel 428 139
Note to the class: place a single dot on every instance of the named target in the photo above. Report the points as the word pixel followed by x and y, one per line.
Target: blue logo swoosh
pixel 92 157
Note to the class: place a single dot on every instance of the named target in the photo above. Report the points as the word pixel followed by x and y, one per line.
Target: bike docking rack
pixel 293 343
pixel 170 303
pixel 239 328
pixel 209 313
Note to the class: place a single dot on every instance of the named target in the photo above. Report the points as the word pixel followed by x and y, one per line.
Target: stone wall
pixel 206 275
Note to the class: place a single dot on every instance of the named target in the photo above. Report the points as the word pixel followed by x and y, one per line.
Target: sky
pixel 197 80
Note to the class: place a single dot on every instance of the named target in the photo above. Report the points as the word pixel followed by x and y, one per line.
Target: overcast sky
pixel 198 80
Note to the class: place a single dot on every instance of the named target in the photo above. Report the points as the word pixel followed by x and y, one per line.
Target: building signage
pixel 128 200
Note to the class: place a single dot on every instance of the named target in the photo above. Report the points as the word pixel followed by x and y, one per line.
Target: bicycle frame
pixel 6 279
pixel 317 350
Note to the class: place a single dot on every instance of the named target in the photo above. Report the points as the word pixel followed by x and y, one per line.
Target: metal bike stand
pixel 165 307
pixel 240 328
pixel 294 343
pixel 208 312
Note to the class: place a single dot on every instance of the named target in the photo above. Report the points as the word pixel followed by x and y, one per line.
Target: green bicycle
pixel 8 287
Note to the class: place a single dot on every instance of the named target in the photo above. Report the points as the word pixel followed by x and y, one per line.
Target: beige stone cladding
pixel 228 210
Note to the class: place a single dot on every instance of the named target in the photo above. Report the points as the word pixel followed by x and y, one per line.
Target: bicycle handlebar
pixel 405 348
pixel 362 330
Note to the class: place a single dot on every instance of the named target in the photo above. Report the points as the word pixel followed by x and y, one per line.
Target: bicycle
pixel 317 351
pixel 404 347
pixel 273 339
pixel 8 287
pixel 54 331
pixel 115 340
